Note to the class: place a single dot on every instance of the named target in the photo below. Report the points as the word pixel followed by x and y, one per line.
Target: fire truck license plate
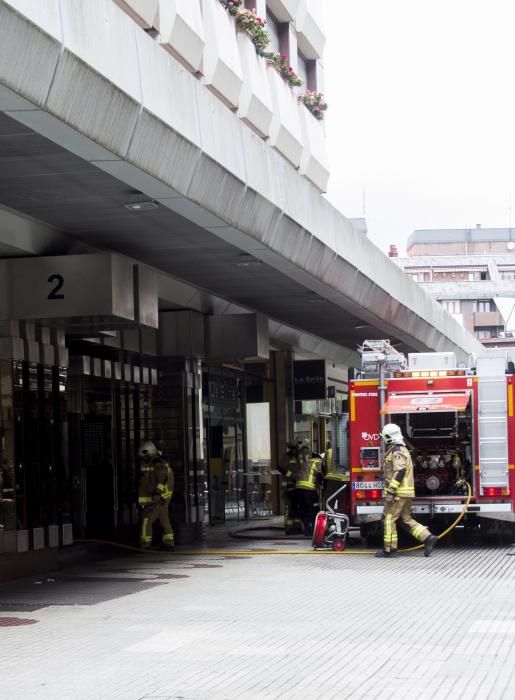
pixel 367 485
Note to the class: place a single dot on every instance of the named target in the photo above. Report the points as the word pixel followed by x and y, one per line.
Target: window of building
pixel 484 333
pixel 302 71
pixel 452 306
pixel 272 28
pixel 508 275
pixel 477 276
pixel 417 276
pixel 482 306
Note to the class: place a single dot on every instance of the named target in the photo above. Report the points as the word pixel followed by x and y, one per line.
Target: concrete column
pixel 281 416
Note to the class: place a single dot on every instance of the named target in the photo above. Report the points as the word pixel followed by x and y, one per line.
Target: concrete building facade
pixel 167 256
pixel 471 272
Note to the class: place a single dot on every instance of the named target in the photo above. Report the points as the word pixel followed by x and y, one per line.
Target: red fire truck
pixel 458 423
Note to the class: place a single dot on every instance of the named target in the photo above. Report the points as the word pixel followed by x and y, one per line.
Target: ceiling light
pixel 142 206
pixel 247 262
pixel 358 327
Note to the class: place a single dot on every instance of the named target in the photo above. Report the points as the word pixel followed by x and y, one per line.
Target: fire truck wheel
pixel 372 533
pixel 338 545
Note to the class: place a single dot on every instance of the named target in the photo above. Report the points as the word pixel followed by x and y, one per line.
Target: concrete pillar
pixel 281 415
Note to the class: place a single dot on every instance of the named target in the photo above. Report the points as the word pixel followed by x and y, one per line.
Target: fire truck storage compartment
pixel 440 445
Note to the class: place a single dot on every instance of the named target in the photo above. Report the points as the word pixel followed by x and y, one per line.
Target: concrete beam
pixel 106 91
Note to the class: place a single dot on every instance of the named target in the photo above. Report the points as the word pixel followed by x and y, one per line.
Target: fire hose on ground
pixel 224 552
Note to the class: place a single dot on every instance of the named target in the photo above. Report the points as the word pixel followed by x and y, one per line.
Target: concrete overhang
pixel 81 136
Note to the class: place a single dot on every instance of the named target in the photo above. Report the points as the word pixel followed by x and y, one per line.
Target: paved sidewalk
pixel 256 626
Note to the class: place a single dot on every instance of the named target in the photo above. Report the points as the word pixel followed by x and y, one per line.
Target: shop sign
pixel 309 380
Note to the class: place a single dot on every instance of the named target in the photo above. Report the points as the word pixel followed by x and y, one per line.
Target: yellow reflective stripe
pixel 417 531
pixel 168 537
pixel 510 400
pixel 335 476
pixel 405 491
pixel 352 407
pixel 306 485
pixel 394 484
pixel 388 535
pixel 145 499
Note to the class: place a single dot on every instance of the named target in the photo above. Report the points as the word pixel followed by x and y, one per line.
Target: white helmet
pixel 392 434
pixel 148 449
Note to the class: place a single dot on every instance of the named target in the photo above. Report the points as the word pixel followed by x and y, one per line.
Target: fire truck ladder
pixel 493 422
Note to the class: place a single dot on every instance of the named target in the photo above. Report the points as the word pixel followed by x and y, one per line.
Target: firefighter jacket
pixel 156 483
pixel 329 470
pixel 398 472
pixel 288 467
pixel 309 473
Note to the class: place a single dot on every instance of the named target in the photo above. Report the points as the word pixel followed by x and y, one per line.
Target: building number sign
pixel 57 281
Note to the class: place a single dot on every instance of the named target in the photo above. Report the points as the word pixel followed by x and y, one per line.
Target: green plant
pixel 280 61
pixel 232 6
pixel 254 26
pixel 315 102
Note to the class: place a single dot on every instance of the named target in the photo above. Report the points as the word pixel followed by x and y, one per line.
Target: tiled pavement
pixel 252 626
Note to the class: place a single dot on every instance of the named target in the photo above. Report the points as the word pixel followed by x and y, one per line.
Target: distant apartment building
pixel 471 272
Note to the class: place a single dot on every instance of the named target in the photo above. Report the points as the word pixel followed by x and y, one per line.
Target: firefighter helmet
pixel 148 449
pixel 303 445
pixel 392 434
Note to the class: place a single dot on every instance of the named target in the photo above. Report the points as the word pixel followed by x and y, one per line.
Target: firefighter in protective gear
pixel 288 467
pixel 155 491
pixel 333 479
pixel 309 474
pixel 399 493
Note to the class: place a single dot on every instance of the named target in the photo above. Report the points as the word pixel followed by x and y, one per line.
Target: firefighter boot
pixel 381 554
pixel 429 544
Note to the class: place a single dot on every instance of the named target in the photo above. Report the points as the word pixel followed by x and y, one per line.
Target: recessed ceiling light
pixel 359 327
pixel 247 262
pixel 142 206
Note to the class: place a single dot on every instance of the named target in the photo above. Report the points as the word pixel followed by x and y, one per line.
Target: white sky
pixel 421 113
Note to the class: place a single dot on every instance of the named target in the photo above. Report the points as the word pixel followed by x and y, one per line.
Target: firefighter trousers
pixel 149 515
pixel 306 508
pixel 400 510
pixel 291 522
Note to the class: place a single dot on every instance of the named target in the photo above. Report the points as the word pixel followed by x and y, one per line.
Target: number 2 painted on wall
pixel 59 281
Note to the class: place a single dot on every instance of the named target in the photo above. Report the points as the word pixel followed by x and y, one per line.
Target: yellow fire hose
pixel 246 552
pixel 451 526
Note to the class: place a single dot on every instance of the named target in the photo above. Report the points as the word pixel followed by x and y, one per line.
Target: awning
pixel 436 402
